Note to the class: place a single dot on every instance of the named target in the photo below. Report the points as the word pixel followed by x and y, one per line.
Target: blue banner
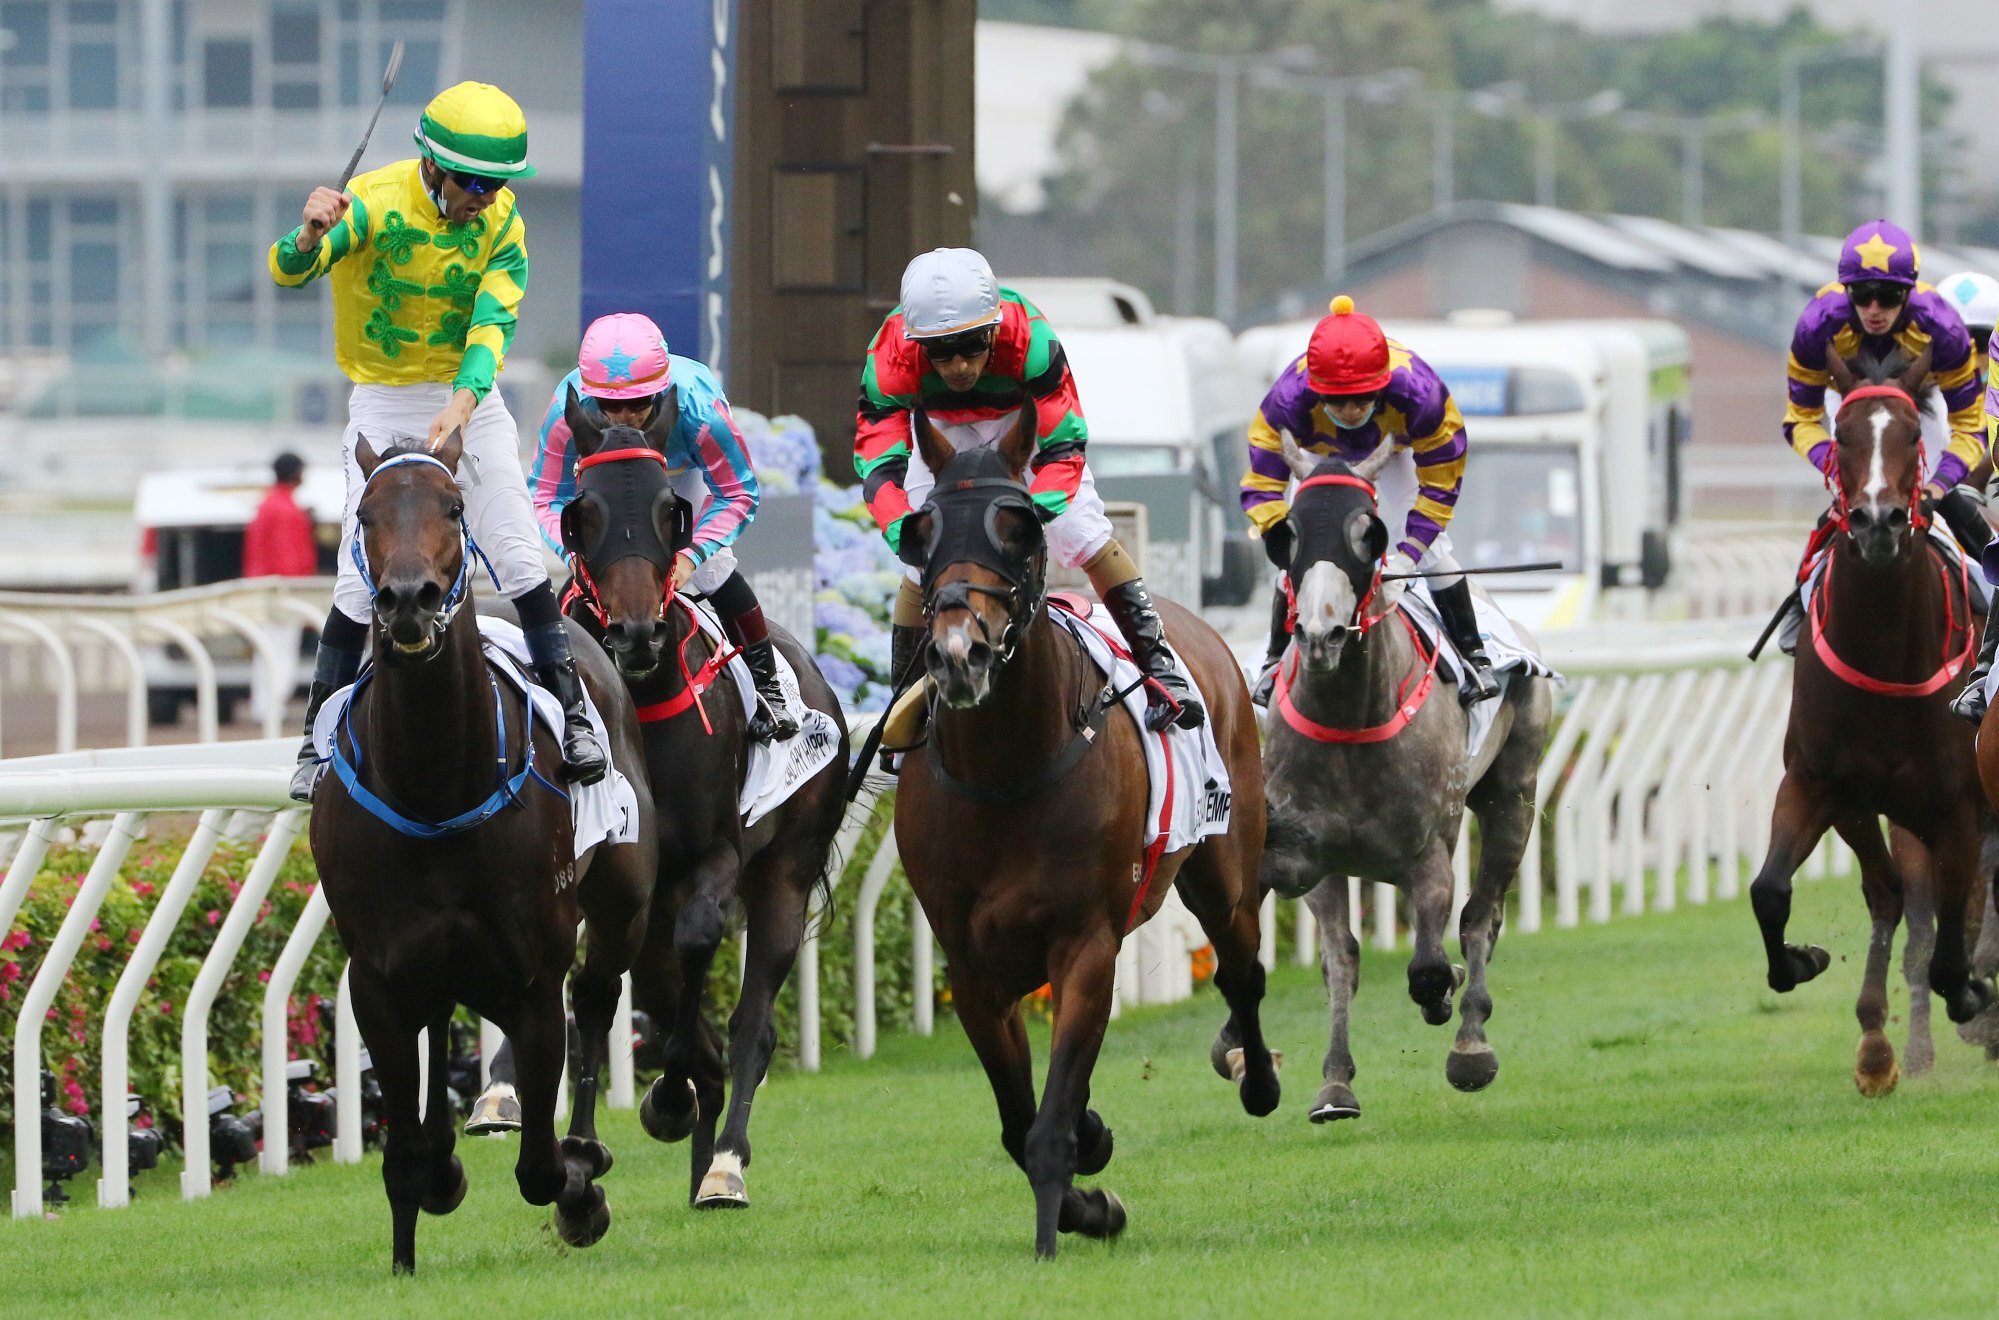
pixel 1479 391
pixel 658 156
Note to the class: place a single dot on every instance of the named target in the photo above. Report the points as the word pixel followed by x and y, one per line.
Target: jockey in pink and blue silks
pixel 623 373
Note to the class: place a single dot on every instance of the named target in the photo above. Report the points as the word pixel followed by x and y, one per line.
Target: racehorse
pixel 442 898
pixel 1021 825
pixel 1369 777
pixel 622 530
pixel 1887 634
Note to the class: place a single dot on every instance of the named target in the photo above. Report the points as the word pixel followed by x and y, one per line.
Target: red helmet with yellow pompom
pixel 1348 353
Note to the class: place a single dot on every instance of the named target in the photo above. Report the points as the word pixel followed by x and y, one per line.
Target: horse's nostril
pixel 1861 519
pixel 429 596
pixel 385 599
pixel 979 655
pixel 1899 518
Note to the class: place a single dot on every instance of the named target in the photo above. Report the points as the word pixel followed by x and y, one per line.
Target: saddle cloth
pixel 1509 652
pixel 603 812
pixel 1940 537
pixel 776 770
pixel 1189 795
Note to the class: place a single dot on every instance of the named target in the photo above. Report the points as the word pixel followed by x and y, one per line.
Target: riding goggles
pixel 967 345
pixel 1877 293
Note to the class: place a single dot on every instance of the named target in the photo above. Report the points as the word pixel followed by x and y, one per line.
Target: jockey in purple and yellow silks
pixel 971 355
pixel 623 372
pixel 1352 387
pixel 428 261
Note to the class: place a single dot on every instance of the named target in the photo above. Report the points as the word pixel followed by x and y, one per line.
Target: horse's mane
pixel 1882 368
pixel 975 465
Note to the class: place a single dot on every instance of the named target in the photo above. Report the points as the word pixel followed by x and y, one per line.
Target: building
pixel 151 150
pixel 1737 294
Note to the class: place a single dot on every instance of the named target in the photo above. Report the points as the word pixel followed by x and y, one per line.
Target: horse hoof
pixel 1874 1071
pixel 1336 1101
pixel 664 1125
pixel 496 1112
pixel 723 1188
pixel 594 1156
pixel 1105 1218
pixel 1981 1030
pixel 1436 1012
pixel 1093 1144
pixel 1259 1093
pixel 1968 1003
pixel 1432 986
pixel 1218 1053
pixel 586 1228
pixel 436 1204
pixel 1471 1067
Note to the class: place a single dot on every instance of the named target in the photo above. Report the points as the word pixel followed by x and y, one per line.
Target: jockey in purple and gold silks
pixel 1876 306
pixel 1352 387
pixel 624 372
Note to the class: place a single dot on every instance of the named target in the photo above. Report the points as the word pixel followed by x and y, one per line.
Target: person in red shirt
pixel 279 542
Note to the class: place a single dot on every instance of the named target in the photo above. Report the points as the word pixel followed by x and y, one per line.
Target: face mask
pixel 1365 418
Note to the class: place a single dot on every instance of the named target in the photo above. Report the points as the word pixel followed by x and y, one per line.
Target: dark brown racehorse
pixel 453 882
pixel 623 532
pixel 1884 644
pixel 1021 825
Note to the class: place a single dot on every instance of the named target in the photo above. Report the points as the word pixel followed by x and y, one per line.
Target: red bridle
pixel 1841 509
pixel 1362 619
pixel 616 455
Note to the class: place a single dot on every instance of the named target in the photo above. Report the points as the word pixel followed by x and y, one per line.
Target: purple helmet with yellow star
pixel 1880 251
pixel 624 357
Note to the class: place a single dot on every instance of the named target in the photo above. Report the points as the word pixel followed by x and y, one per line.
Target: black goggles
pixel 1877 293
pixel 968 345
pixel 1981 338
pixel 479 185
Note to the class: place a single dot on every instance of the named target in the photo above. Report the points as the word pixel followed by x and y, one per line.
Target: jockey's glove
pixel 1278 542
pixel 1960 511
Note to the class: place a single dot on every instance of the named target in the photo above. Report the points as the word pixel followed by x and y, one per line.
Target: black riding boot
pixel 1273 650
pixel 905 643
pixel 1476 684
pixel 743 619
pixel 1969 705
pixel 1168 699
pixel 555 669
pixel 1961 512
pixel 334 667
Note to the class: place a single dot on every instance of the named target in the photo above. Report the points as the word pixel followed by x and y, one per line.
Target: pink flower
pixel 214 915
pixel 78 1107
pixel 166 1007
pixel 20 939
pixel 142 888
pixel 9 971
pixel 95 924
pixel 132 935
pixel 5 994
pixel 103 945
pixel 264 977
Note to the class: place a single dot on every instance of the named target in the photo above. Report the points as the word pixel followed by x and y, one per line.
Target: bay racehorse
pixel 1887 634
pixel 1021 825
pixel 1369 775
pixel 622 531
pixel 447 857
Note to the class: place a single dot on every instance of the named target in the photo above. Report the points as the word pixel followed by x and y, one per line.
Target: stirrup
pixel 1266 685
pixel 1477 683
pixel 772 722
pixel 1970 704
pixel 305 777
pixel 1169 704
pixel 583 760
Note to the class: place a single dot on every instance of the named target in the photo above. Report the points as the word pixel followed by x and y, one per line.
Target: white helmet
pixel 1975 296
pixel 948 291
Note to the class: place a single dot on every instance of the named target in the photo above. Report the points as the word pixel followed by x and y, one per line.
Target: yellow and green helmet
pixel 475 128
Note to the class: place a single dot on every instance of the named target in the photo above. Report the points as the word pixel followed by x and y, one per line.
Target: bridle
pixel 447 609
pixel 1026 578
pixel 1363 619
pixel 1842 507
pixel 621 512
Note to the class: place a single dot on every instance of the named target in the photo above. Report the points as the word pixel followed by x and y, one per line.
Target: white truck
pixel 1576 430
pixel 1168 404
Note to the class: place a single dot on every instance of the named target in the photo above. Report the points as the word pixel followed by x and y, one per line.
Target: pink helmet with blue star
pixel 624 357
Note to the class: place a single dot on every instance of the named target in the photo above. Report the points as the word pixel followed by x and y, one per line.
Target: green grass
pixel 1666 1137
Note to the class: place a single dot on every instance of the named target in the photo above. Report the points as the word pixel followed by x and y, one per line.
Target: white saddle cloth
pixel 603 812
pixel 1509 652
pixel 776 769
pixel 1189 797
pixel 1940 536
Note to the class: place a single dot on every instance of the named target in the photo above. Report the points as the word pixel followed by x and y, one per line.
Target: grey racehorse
pixel 1368 774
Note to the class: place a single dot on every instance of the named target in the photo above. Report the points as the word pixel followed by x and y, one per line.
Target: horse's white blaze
pixel 1877 479
pixel 1325 598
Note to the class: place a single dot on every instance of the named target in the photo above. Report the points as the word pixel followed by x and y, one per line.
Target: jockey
pixel 1877 306
pixel 1353 386
pixel 1976 298
pixel 623 373
pixel 970 354
pixel 423 315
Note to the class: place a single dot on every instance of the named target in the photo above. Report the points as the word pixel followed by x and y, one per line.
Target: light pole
pixel 1902 162
pixel 1693 132
pixel 1333 93
pixel 1186 198
pixel 1791 203
pixel 1505 101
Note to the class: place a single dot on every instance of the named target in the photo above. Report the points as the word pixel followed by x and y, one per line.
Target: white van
pixel 1168 405
pixel 1575 432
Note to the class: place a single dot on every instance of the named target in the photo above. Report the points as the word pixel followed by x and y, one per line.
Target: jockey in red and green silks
pixel 1353 387
pixel 971 355
pixel 1876 309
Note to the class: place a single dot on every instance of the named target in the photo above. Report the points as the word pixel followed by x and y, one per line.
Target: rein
pixel 1946 671
pixel 1407 702
pixel 1842 510
pixel 1363 620
pixel 583 589
pixel 447 609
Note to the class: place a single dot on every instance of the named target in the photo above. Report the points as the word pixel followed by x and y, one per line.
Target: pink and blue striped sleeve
pixel 552 479
pixel 732 482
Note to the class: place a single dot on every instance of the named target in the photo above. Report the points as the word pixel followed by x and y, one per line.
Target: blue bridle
pixel 349 772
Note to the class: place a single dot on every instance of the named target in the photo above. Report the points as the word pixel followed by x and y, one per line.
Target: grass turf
pixel 1666 1137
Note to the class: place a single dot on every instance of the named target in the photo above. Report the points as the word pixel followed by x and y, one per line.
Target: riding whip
pixel 1549 566
pixel 388 83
